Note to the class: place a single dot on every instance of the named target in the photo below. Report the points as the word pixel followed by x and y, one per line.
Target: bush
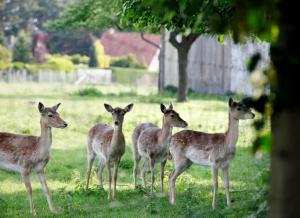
pixel 60 63
pixel 5 58
pixel 78 59
pixel 97 56
pixel 22 49
pixel 128 61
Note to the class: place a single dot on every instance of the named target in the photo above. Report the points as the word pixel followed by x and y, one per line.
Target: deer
pixel 214 150
pixel 27 153
pixel 108 144
pixel 152 144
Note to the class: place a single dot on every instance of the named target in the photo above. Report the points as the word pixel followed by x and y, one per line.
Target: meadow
pixel 82 107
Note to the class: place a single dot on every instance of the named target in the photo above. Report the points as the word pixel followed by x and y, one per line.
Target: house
pixel 118 44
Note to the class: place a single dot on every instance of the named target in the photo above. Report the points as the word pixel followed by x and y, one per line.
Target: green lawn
pixel 66 170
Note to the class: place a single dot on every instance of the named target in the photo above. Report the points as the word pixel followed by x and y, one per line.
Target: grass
pixel 65 171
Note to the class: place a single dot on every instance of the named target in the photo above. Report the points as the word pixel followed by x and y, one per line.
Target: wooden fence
pixel 214 67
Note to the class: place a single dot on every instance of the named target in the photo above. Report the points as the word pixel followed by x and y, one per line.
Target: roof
pixel 118 44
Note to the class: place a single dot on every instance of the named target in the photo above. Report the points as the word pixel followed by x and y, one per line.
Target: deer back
pixel 17 151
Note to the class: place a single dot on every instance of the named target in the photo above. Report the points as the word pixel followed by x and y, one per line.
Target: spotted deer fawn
pixel 108 144
pixel 152 143
pixel 26 153
pixel 212 150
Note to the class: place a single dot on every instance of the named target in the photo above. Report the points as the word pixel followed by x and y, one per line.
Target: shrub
pixel 97 56
pixel 60 63
pixel 128 61
pixel 78 59
pixel 90 92
pixel 22 49
pixel 5 58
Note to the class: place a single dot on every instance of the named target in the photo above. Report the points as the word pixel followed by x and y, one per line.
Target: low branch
pixel 173 40
pixel 149 41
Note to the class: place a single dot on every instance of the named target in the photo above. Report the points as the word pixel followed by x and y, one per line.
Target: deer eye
pixel 50 115
pixel 172 115
pixel 238 108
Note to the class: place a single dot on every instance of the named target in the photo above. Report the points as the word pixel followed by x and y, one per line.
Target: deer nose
pixel 116 123
pixel 65 124
pixel 185 124
pixel 253 115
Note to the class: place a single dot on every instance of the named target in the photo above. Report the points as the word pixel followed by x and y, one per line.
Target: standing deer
pixel 108 144
pixel 152 143
pixel 212 150
pixel 26 153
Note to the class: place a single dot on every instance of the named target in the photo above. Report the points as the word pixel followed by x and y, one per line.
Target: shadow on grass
pixel 193 200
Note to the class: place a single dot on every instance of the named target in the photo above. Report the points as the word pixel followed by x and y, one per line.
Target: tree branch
pixel 173 40
pixel 149 41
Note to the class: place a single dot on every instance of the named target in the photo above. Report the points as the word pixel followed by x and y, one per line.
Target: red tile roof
pixel 123 43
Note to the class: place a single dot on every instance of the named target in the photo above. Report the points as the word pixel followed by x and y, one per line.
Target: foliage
pixel 5 57
pixel 93 61
pixel 79 59
pixel 69 42
pixel 128 61
pixel 102 59
pixel 60 63
pixel 94 15
pixel 22 51
pixel 16 16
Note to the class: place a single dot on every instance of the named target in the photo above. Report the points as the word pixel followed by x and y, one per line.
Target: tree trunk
pixel 285 172
pixel 183 49
pixel 182 74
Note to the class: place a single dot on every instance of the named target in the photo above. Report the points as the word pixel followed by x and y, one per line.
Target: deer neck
pixel 117 137
pixel 45 139
pixel 232 133
pixel 165 133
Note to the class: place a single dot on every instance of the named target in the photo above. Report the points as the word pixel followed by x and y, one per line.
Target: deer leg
pixel 179 167
pixel 109 178
pixel 162 170
pixel 91 158
pixel 99 173
pixel 152 168
pixel 137 159
pixel 214 171
pixel 43 182
pixel 116 167
pixel 27 183
pixel 226 185
pixel 143 173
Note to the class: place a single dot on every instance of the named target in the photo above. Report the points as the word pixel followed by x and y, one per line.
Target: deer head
pixel 118 113
pixel 50 117
pixel 171 117
pixel 239 110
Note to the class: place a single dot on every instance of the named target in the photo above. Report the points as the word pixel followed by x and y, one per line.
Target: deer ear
pixel 128 108
pixel 108 108
pixel 56 106
pixel 230 102
pixel 163 108
pixel 171 106
pixel 41 107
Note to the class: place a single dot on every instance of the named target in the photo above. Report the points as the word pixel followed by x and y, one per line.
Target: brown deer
pixel 108 144
pixel 152 143
pixel 212 150
pixel 26 153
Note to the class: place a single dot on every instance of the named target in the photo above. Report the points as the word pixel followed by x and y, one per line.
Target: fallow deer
pixel 152 143
pixel 26 153
pixel 212 150
pixel 108 143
